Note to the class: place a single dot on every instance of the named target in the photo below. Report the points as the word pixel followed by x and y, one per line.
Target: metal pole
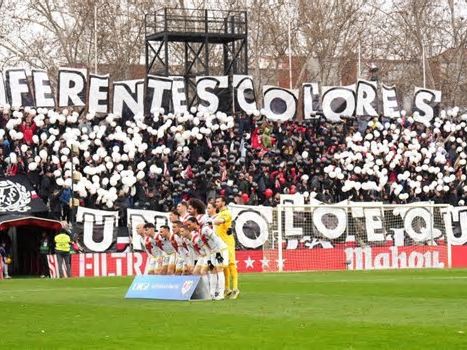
pixel 359 68
pixel 290 57
pixel 423 65
pixel 280 261
pixel 95 36
pixel 72 205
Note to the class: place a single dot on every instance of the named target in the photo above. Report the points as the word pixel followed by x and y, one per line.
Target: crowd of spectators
pixel 154 162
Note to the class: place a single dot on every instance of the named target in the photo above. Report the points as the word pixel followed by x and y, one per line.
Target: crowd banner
pixel 128 98
pixel 214 94
pixel 138 216
pixel 367 99
pixel 426 102
pixel 72 87
pixel 43 95
pixel 18 89
pixel 158 94
pixel 279 104
pixel 137 263
pixel 245 99
pixel 17 196
pixel 337 102
pixel 390 105
pixel 98 99
pixel 178 97
pixel 311 100
pixel 302 225
pixel 96 229
pixel 55 270
pixel 251 225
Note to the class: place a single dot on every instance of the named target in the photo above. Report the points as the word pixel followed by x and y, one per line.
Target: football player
pixel 212 256
pixel 170 247
pixel 186 256
pixel 223 228
pixel 150 246
pixel 182 209
pixel 197 209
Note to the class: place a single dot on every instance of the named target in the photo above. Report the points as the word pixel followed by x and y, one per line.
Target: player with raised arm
pixel 212 256
pixel 223 227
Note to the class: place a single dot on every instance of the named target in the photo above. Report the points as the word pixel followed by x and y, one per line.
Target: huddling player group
pixel 199 241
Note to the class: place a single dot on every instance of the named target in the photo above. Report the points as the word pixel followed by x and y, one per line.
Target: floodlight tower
pixel 193 42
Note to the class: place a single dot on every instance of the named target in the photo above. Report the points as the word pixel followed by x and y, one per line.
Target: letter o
pixel 413 213
pixel 339 214
pixel 259 219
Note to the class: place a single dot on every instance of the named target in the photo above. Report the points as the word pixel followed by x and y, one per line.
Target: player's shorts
pixel 182 261
pixel 168 259
pixel 202 261
pixel 154 263
pixel 179 262
pixel 225 256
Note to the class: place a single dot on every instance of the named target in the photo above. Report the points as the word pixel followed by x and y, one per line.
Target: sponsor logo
pixel 142 286
pixel 391 258
pixel 186 287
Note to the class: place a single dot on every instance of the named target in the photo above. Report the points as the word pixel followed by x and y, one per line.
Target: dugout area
pixel 22 235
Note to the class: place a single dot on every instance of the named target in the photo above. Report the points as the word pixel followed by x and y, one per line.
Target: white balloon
pixel 32 166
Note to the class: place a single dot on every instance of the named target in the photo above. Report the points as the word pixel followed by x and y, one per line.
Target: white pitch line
pixel 52 289
pixel 373 280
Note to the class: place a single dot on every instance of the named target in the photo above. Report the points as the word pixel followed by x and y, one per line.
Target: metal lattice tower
pixel 190 43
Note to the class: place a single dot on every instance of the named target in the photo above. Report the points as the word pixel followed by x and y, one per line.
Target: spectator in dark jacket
pixel 65 197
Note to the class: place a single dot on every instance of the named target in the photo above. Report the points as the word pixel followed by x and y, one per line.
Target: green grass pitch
pixel 403 309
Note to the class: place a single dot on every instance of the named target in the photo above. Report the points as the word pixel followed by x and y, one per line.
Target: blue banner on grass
pixel 167 287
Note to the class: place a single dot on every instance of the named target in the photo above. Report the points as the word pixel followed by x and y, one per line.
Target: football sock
pixel 220 283
pixel 227 277
pixel 212 283
pixel 234 274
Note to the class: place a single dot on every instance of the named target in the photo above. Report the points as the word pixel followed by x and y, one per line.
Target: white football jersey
pixel 202 219
pixel 167 245
pixel 181 245
pixel 206 242
pixel 188 244
pixel 184 217
pixel 215 242
pixel 152 246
